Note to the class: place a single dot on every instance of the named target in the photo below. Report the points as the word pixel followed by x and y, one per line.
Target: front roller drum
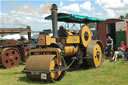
pixel 44 65
pixel 95 54
pixel 10 57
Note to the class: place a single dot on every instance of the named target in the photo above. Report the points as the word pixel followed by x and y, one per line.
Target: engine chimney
pixel 29 33
pixel 54 20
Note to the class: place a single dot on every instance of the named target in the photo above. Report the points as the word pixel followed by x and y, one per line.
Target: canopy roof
pixel 73 18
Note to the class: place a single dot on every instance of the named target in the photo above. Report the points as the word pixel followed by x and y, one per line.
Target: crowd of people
pixel 120 50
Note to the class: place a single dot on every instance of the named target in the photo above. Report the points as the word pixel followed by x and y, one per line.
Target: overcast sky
pixel 18 13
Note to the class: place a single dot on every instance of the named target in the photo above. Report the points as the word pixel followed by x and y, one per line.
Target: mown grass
pixel 111 73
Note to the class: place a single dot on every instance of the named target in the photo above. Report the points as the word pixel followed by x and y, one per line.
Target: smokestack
pixel 29 33
pixel 54 20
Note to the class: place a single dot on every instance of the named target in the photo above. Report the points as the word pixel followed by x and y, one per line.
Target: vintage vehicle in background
pixel 12 52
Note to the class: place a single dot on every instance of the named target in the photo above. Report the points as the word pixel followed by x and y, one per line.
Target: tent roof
pixel 73 18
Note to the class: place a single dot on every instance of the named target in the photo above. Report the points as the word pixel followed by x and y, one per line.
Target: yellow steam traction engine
pixel 64 49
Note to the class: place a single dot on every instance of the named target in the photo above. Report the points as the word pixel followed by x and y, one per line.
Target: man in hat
pixel 120 51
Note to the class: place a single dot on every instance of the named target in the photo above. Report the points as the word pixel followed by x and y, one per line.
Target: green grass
pixel 111 73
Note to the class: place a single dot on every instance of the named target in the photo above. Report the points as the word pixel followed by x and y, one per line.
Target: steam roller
pixel 63 50
pixel 12 52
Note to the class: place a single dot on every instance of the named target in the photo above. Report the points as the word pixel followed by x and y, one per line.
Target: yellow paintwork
pixel 63 41
pixel 54 75
pixel 50 40
pixel 69 33
pixel 83 30
pixel 70 50
pixel 71 39
pixel 45 40
pixel 41 40
pixel 95 59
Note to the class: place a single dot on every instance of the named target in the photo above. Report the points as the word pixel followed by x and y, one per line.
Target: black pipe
pixel 54 20
pixel 29 33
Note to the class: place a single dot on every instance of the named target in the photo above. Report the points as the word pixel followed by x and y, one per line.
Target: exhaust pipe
pixel 29 33
pixel 54 20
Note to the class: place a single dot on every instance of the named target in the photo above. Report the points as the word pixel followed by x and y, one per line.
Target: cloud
pixel 29 8
pixel 111 4
pixel 28 18
pixel 113 8
pixel 15 21
pixel 61 3
pixel 7 20
pixel 99 14
pixel 71 0
pixel 71 8
pixel 110 13
pixel 44 9
pixel 86 6
pixel 27 14
pixel 125 2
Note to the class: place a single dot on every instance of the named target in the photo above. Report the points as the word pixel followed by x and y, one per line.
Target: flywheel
pixel 85 35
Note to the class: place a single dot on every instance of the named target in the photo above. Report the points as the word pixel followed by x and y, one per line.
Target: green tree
pixel 92 25
pixel 126 16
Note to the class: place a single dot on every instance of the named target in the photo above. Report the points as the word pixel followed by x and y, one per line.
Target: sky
pixel 19 13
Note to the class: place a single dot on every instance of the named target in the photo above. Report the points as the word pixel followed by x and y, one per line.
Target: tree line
pixel 124 17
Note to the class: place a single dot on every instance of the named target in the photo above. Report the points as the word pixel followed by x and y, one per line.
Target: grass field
pixel 111 73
